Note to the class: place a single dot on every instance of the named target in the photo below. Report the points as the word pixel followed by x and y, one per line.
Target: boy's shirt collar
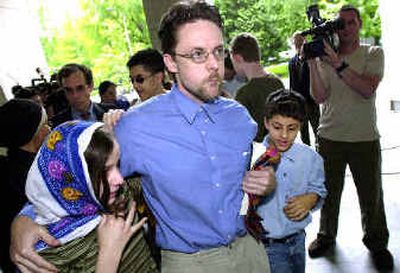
pixel 289 154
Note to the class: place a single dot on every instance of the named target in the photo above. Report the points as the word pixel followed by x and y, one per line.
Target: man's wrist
pixel 341 68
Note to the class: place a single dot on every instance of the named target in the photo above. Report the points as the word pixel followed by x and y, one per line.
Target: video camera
pixel 39 86
pixel 321 30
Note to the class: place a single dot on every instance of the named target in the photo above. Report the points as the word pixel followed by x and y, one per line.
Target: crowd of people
pixel 229 187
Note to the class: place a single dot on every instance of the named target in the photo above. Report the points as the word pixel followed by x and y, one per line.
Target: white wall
pixel 20 49
pixel 390 42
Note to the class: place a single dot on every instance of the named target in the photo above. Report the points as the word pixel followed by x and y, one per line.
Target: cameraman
pixel 345 84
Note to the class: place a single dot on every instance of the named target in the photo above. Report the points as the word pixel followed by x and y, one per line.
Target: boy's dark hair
pixel 182 13
pixel 104 86
pixel 71 68
pixel 246 45
pixel 149 58
pixel 287 103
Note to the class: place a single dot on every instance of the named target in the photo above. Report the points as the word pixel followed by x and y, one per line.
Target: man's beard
pixel 200 94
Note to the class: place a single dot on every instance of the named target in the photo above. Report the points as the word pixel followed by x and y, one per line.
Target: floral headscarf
pixel 59 186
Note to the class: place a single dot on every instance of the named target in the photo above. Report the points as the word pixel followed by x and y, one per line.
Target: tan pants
pixel 244 255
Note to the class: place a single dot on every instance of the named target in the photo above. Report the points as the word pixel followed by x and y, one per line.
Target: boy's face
pixel 282 131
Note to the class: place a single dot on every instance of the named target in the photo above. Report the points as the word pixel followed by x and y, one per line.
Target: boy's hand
pixel 298 206
pixel 261 182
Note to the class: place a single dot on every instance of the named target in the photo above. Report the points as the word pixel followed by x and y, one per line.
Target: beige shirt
pixel 346 115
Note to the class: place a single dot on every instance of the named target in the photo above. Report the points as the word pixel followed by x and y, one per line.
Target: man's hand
pixel 261 182
pixel 24 235
pixel 331 56
pixel 112 117
pixel 298 206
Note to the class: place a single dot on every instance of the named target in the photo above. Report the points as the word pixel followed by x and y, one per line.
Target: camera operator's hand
pixel 331 56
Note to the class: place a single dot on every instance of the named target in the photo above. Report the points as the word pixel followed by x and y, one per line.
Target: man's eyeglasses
pixel 140 79
pixel 200 55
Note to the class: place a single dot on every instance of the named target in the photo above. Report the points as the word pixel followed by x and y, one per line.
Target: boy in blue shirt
pixel 300 184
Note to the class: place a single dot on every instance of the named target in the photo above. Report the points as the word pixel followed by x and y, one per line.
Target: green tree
pixel 103 38
pixel 273 22
pixel 109 31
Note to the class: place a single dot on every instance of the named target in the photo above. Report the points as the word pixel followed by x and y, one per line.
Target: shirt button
pixel 284 174
pixel 206 120
pixel 245 153
pixel 220 211
pixel 203 133
pixel 229 237
pixel 213 157
pixel 217 185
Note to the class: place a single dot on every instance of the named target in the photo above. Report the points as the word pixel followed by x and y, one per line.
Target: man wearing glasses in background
pixel 77 82
pixel 192 148
pixel 147 73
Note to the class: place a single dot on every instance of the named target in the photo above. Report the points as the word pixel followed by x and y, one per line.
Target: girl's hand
pixel 113 234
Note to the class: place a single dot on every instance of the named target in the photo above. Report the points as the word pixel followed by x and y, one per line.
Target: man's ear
pixel 170 63
pixel 237 58
pixel 90 87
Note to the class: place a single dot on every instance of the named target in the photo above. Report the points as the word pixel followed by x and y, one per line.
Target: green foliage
pixel 109 31
pixel 273 22
pixel 104 38
pixel 281 69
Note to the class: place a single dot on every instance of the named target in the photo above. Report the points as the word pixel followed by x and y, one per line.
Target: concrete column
pixel 154 9
pixel 390 42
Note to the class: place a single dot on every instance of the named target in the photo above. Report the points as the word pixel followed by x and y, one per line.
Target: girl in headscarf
pixel 73 185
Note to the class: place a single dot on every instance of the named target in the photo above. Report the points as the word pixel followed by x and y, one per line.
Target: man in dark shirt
pixel 246 56
pixel 299 78
pixel 77 81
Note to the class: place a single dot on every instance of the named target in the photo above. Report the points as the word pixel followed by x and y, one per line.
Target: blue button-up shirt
pixel 192 158
pixel 300 171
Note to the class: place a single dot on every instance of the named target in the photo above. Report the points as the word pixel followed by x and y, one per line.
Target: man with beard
pixel 192 148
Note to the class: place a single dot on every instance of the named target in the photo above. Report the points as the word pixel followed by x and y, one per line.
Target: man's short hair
pixel 149 58
pixel 246 45
pixel 351 8
pixel 287 103
pixel 103 86
pixel 182 13
pixel 68 69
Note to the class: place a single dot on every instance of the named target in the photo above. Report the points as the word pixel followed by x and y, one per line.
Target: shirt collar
pixel 77 114
pixel 190 108
pixel 289 154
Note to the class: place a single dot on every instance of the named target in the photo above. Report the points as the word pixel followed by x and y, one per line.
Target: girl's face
pixel 114 177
